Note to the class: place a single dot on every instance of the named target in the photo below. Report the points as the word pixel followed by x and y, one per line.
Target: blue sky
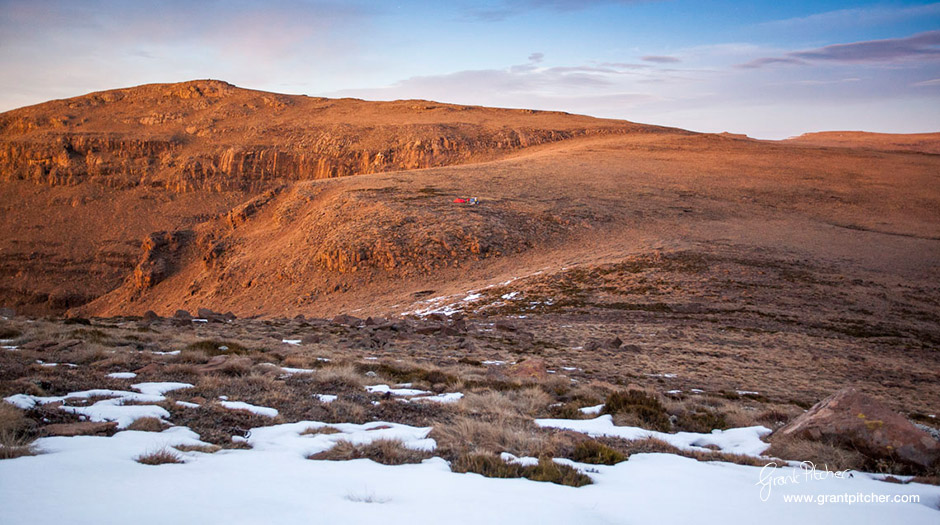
pixel 768 69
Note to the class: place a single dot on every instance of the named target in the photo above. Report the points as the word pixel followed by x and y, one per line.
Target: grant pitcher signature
pixel 769 477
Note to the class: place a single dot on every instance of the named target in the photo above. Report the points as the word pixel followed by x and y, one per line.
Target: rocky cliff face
pixel 209 135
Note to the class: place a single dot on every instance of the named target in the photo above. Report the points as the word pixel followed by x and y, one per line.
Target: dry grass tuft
pixel 147 424
pixel 492 466
pixel 823 455
pixel 14 439
pixel 527 402
pixel 384 451
pixel 596 453
pixel 159 457
pixel 14 446
pixel 638 408
pixel 312 431
pixel 464 435
pixel 340 377
pixel 205 449
pixel 343 411
pixel 193 356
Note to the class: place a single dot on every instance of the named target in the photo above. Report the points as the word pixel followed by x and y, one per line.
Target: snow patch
pixel 254 409
pixel 745 441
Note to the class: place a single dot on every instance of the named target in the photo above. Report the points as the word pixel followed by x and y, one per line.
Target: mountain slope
pixel 86 179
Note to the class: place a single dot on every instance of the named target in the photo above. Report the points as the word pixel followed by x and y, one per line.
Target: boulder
pixel 613 344
pixel 150 316
pixel 9 313
pixel 528 369
pixel 346 320
pixel 183 314
pixel 851 419
pixel 213 316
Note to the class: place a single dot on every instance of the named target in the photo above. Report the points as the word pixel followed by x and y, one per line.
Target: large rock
pixel 530 369
pixel 854 420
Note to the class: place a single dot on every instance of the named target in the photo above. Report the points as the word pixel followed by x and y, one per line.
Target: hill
pixel 920 142
pixel 86 179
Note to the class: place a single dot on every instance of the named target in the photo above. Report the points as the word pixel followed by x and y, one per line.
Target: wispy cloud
pixel 503 9
pixel 855 17
pixel 922 46
pixel 660 59
pixel 928 83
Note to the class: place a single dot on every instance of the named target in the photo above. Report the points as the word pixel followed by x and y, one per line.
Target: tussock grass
pixel 193 356
pixel 9 333
pixel 464 434
pixel 344 411
pixel 527 402
pixel 205 449
pixel 312 431
pixel 823 455
pixel 15 439
pixel 147 424
pixel 384 451
pixel 213 347
pixel 159 457
pixel 340 377
pixel 492 466
pixel 13 445
pixel 596 453
pixel 639 408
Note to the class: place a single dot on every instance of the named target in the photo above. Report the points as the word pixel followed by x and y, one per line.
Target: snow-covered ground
pixel 95 480
pixel 744 441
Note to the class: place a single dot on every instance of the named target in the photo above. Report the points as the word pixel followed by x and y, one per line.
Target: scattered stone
pixel 856 421
pixel 9 313
pixel 310 339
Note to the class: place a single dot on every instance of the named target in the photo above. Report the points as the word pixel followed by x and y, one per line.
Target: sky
pixel 769 69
